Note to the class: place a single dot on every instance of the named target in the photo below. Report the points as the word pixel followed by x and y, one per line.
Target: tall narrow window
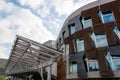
pixel 115 29
pixel 64 35
pixel 73 67
pixel 72 29
pixel 87 22
pixel 101 40
pixel 106 16
pixel 80 45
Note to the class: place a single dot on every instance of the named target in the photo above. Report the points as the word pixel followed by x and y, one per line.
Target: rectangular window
pixel 87 22
pixel 92 65
pixel 116 62
pixel 72 29
pixel 106 16
pixel 80 45
pixel 101 41
pixel 64 35
pixel 73 67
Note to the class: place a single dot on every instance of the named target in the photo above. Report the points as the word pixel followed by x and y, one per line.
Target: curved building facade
pixel 90 40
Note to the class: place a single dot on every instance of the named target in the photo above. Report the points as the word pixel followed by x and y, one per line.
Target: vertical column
pixel 40 70
pixel 42 73
pixel 49 73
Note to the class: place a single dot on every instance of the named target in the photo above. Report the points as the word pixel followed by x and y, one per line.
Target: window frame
pixel 72 65
pixel 88 64
pixel 81 41
pixel 70 30
pixel 111 59
pixel 87 19
pixel 102 15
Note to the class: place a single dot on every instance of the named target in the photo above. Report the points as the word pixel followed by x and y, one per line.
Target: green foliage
pixel 2 77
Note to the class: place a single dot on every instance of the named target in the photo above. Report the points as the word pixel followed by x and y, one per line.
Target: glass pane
pixel 116 62
pixel 93 65
pixel 74 68
pixel 101 41
pixel 87 23
pixel 109 59
pixel 72 29
pixel 80 45
pixel 108 18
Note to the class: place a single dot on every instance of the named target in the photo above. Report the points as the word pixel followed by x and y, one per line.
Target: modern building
pixel 90 40
pixel 30 60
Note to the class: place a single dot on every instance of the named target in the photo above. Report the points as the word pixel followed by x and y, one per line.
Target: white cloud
pixel 68 6
pixel 31 3
pixel 63 6
pixel 22 21
pixel 3 53
pixel 28 25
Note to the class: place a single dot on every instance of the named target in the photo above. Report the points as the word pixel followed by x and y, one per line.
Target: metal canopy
pixel 27 55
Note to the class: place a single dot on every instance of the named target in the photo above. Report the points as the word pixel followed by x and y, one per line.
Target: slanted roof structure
pixel 28 55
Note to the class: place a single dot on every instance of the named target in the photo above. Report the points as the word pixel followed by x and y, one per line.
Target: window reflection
pixel 106 16
pixel 92 65
pixel 73 67
pixel 87 22
pixel 80 45
pixel 72 29
pixel 100 39
pixel 116 62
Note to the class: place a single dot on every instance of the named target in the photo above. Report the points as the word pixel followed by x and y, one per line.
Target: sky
pixel 39 20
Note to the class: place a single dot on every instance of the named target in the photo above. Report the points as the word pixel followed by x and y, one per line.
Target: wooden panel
pixel 61 69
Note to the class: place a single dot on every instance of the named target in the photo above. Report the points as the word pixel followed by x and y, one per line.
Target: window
pixel 92 65
pixel 109 59
pixel 64 35
pixel 101 41
pixel 87 22
pixel 115 29
pixel 114 61
pixel 80 45
pixel 72 29
pixel 106 16
pixel 73 67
